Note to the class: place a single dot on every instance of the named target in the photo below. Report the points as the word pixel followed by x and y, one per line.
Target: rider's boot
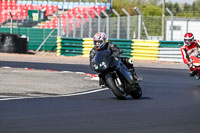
pixel 101 83
pixel 197 76
pixel 135 77
pixel 192 73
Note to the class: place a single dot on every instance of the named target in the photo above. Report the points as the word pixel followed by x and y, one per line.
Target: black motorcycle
pixel 116 75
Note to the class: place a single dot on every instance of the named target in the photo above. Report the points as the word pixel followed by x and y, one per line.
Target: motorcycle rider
pixel 190 48
pixel 99 41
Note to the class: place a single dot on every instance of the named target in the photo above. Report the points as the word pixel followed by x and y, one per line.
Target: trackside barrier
pixel 87 46
pixel 35 37
pixel 170 51
pixel 125 45
pixel 69 46
pixel 58 48
pixel 134 49
pixel 13 43
pixel 74 46
pixel 145 49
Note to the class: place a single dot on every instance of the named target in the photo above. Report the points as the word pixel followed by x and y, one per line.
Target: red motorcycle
pixel 196 65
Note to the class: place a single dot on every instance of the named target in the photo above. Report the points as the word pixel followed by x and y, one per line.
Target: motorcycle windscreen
pixel 103 61
pixel 101 55
pixel 195 60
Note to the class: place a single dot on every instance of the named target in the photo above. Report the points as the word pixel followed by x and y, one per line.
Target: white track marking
pixel 6 67
pixel 6 98
pixel 66 72
pixel 79 72
pixel 95 78
pixel 87 92
pixel 15 98
pixel 67 95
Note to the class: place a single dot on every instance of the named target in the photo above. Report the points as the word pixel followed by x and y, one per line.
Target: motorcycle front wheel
pixel 116 90
pixel 136 94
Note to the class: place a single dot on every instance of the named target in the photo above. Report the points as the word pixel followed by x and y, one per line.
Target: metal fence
pixel 88 27
pixel 124 27
pixel 135 27
pixel 120 27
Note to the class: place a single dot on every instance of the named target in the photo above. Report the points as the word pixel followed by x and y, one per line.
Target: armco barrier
pixel 87 46
pixel 58 48
pixel 69 46
pixel 145 49
pixel 135 49
pixel 77 46
pixel 170 51
pixel 125 45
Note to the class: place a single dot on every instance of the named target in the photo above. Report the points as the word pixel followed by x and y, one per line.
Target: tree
pixel 176 8
pixel 151 10
pixel 197 2
pixel 186 7
pixel 194 8
pixel 196 5
pixel 153 2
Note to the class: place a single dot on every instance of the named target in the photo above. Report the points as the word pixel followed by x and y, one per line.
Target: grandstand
pixel 20 11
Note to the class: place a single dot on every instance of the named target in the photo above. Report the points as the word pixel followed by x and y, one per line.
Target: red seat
pixel 55 8
pixel 49 10
pixel 103 8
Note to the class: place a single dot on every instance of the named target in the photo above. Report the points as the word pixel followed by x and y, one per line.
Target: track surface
pixel 170 103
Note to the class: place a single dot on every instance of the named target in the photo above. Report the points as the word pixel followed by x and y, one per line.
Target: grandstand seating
pixel 65 5
pixel 81 9
pixel 19 10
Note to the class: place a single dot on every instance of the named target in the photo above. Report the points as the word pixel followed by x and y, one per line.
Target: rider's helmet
pixel 188 39
pixel 99 40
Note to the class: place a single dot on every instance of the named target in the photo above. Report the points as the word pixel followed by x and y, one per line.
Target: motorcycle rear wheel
pixel 136 94
pixel 117 92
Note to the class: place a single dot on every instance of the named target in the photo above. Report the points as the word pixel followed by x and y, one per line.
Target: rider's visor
pixel 98 43
pixel 188 40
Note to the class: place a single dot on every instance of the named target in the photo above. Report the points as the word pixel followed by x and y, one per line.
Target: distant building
pixel 181 26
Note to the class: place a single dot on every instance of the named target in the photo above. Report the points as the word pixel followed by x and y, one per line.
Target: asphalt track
pixel 170 103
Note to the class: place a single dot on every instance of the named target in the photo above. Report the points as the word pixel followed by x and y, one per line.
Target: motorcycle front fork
pixel 197 75
pixel 118 81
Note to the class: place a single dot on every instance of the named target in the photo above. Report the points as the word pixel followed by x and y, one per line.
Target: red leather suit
pixel 188 51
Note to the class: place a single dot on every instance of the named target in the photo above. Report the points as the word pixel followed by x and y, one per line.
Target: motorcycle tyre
pixel 136 94
pixel 111 84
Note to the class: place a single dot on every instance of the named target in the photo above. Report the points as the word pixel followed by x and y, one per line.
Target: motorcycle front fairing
pixel 123 71
pixel 196 63
pixel 103 60
pixel 195 60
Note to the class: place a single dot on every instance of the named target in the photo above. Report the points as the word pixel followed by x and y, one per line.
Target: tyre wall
pixel 35 37
pixel 13 43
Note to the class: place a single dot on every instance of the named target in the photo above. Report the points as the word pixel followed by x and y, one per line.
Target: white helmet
pixel 99 40
pixel 188 39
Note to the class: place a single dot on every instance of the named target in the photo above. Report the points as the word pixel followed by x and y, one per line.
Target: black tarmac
pixel 170 104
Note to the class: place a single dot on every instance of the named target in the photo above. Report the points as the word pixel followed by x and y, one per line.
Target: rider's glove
pixel 118 52
pixel 198 42
pixel 190 64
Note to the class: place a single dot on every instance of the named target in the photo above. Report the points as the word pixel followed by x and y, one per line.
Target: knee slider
pixel 130 61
